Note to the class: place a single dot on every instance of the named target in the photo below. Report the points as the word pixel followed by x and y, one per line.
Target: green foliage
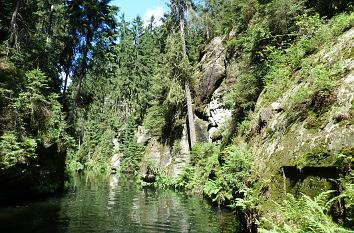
pixel 153 168
pixel 14 152
pixel 284 64
pixel 132 151
pixel 242 100
pixel 282 14
pixel 244 126
pixel 217 175
pixel 248 202
pixel 225 17
pixel 74 166
pixel 155 120
pixel 215 189
pixel 116 97
pixel 244 94
pixel 33 117
pixel 166 116
pixel 232 177
pixel 126 75
pixel 303 215
pixel 202 151
pixel 309 24
pixel 236 169
pixel 204 163
pixel 348 196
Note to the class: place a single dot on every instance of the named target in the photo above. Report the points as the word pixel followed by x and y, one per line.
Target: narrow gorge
pixel 237 111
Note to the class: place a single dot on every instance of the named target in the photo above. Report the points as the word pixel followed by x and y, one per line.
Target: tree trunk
pixel 13 25
pixel 49 30
pixel 81 75
pixel 191 125
pixel 64 88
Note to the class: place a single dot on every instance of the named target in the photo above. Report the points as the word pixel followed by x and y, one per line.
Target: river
pixel 113 204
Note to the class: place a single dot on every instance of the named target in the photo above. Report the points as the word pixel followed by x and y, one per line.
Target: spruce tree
pixel 179 8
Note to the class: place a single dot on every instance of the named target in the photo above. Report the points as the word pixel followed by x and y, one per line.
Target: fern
pixel 305 214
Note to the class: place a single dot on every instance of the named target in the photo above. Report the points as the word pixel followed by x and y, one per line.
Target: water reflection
pixel 40 217
pixel 116 204
pixel 113 185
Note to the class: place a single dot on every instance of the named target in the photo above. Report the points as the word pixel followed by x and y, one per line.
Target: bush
pixel 220 176
pixel 231 178
pixel 303 215
pixel 14 151
pixel 33 116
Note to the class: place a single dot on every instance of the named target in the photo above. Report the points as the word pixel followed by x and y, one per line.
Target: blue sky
pixel 144 8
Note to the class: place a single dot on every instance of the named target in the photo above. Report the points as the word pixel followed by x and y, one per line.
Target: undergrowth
pixel 305 214
pixel 283 64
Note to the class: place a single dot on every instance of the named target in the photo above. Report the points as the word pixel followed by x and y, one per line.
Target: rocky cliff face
pixel 169 159
pixel 213 82
pixel 299 142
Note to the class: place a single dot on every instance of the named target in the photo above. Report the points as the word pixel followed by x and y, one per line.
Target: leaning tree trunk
pixel 191 125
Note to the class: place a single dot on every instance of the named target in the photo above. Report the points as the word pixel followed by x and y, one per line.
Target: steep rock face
pixel 218 114
pixel 210 73
pixel 169 159
pixel 212 68
pixel 289 136
pixel 215 78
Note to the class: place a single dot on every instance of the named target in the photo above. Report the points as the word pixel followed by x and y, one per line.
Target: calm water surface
pixel 107 205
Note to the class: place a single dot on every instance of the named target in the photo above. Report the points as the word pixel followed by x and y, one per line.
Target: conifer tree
pixel 179 8
pixel 88 21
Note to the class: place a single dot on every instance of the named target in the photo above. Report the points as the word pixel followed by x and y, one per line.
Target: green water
pixel 113 204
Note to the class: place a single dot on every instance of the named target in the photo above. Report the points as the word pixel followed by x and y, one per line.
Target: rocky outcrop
pixel 168 159
pixel 218 114
pixel 213 73
pixel 212 68
pixel 116 158
pixel 143 136
pixel 210 73
pixel 307 134
pixel 211 85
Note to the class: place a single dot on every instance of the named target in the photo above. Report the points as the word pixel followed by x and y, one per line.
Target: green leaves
pixel 14 151
pixel 236 167
pixel 34 116
pixel 304 215
pixel 220 175
pixel 37 82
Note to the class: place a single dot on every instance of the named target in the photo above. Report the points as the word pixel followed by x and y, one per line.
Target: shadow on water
pixel 116 204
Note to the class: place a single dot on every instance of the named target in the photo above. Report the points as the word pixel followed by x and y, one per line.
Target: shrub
pixel 303 215
pixel 15 151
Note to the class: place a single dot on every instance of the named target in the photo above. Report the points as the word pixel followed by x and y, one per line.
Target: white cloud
pixel 156 12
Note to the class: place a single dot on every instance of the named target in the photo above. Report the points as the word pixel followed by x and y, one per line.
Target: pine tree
pixel 179 8
pixel 88 21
